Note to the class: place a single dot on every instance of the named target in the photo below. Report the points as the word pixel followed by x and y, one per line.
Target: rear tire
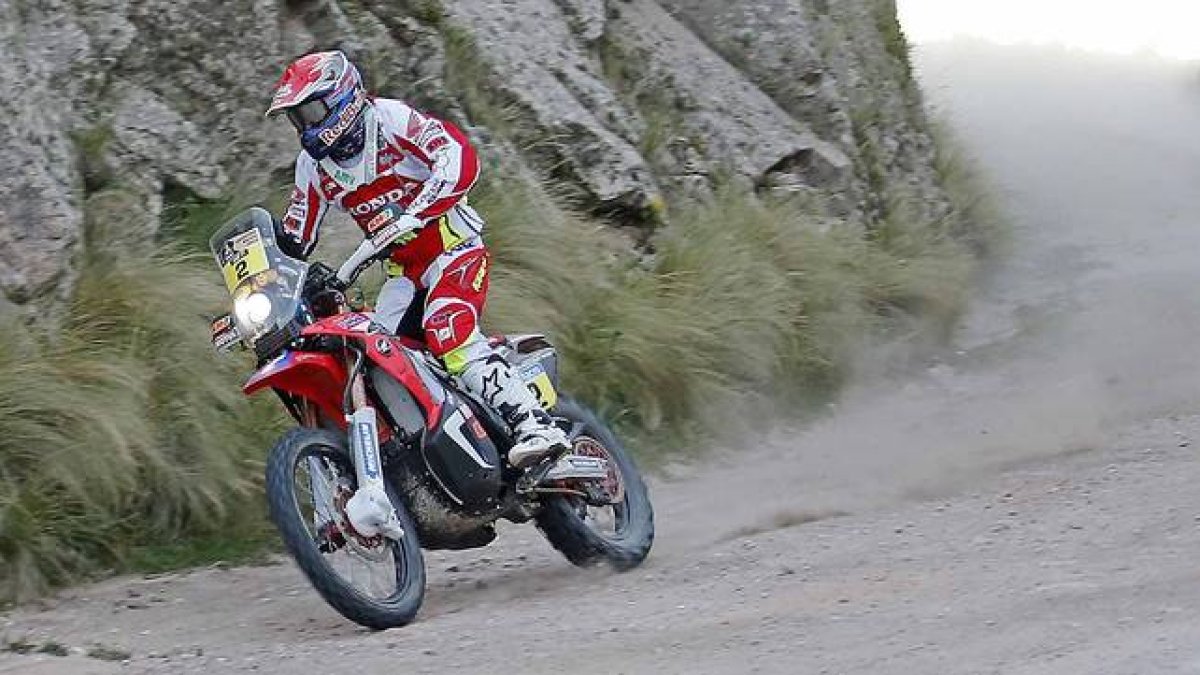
pixel 397 609
pixel 567 530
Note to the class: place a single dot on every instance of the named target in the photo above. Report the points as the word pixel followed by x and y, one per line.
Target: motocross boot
pixel 493 380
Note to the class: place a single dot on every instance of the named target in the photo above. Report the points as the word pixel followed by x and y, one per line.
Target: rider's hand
pixel 397 233
pixel 320 277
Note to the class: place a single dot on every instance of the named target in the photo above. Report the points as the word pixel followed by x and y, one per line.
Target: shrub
pixel 122 427
pixel 744 300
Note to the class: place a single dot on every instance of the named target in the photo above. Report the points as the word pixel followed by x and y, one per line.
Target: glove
pixel 381 240
pixel 320 277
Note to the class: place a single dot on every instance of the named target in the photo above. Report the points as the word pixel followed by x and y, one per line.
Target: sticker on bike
pixel 242 257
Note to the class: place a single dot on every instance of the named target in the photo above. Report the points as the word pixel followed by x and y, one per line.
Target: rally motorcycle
pixel 376 407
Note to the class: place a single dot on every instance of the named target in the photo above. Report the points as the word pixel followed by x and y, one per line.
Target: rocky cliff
pixel 622 103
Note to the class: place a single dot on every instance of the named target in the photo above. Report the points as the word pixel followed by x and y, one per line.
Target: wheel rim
pixel 322 481
pixel 609 521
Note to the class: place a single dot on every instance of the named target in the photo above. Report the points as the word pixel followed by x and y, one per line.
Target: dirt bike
pixel 373 406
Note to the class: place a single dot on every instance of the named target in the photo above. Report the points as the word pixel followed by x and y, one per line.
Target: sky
pixel 1170 28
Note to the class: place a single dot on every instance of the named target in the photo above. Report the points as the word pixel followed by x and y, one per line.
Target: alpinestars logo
pixel 491 386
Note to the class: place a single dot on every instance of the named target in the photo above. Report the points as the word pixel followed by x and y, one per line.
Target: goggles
pixel 307 114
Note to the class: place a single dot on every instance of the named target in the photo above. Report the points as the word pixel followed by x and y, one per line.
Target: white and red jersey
pixel 415 161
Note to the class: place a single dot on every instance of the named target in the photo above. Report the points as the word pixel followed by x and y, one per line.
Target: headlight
pixel 253 310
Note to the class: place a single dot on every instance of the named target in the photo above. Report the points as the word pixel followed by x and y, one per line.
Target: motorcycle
pixel 377 408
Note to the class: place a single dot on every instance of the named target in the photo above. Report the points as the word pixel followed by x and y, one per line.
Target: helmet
pixel 322 95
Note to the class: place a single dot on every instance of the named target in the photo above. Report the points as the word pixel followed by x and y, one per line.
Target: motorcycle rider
pixel 364 154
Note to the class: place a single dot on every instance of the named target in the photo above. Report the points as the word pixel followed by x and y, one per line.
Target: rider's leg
pixel 394 299
pixel 494 380
pixel 457 292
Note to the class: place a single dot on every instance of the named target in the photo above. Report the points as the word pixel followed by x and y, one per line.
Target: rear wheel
pixel 587 532
pixel 373 581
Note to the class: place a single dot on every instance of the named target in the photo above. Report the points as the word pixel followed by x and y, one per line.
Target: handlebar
pixel 327 294
pixel 321 277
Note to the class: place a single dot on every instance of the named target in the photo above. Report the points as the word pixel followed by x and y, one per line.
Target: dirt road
pixel 1025 505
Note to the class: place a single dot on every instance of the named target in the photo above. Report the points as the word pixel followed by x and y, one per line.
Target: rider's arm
pixel 453 165
pixel 304 214
pixel 452 161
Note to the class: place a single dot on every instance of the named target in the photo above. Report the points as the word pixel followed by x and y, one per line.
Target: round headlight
pixel 253 309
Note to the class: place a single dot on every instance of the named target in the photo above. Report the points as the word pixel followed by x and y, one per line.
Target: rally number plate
pixel 243 257
pixel 536 378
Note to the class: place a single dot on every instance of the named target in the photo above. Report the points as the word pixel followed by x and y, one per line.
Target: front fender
pixel 320 378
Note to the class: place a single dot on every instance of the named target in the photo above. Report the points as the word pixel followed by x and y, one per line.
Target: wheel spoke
pixel 367 565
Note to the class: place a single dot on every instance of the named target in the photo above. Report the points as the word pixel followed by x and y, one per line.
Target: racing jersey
pixel 418 162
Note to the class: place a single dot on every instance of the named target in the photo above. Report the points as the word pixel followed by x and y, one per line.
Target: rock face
pixel 622 102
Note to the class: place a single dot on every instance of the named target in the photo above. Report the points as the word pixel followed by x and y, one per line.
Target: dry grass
pixel 976 218
pixel 123 427
pixel 743 301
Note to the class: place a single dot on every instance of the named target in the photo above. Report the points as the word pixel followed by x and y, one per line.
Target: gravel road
pixel 1081 565
pixel 1024 504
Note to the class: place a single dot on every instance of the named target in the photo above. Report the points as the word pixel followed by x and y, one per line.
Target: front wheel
pixel 373 581
pixel 619 533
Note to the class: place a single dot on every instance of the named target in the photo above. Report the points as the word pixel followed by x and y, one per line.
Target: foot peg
pixel 563 466
pixel 577 467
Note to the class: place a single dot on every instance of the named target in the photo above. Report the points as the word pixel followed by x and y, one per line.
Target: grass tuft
pixel 19 646
pixel 53 648
pixel 744 301
pixel 123 427
pixel 976 217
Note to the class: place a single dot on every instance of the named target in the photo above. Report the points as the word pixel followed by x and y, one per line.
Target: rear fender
pixel 536 361
pixel 317 377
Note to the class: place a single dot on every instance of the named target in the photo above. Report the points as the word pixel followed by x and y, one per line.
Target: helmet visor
pixel 308 114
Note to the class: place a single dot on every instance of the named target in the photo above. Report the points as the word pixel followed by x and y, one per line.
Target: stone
pixel 619 102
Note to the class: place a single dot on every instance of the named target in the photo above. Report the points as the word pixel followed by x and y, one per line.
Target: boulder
pixel 123 104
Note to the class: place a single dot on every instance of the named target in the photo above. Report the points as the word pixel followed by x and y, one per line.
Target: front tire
pixel 397 608
pixel 564 520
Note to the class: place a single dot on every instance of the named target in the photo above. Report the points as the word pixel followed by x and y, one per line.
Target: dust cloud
pixel 1089 323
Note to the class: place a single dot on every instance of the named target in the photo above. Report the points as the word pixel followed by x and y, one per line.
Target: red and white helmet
pixel 322 95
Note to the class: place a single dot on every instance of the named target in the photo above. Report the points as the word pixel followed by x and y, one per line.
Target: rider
pixel 363 154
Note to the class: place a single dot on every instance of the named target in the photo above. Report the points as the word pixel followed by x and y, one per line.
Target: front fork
pixel 363 427
pixel 369 510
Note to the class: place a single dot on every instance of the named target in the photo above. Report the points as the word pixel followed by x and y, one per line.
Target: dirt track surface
pixel 1084 565
pixel 1026 504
